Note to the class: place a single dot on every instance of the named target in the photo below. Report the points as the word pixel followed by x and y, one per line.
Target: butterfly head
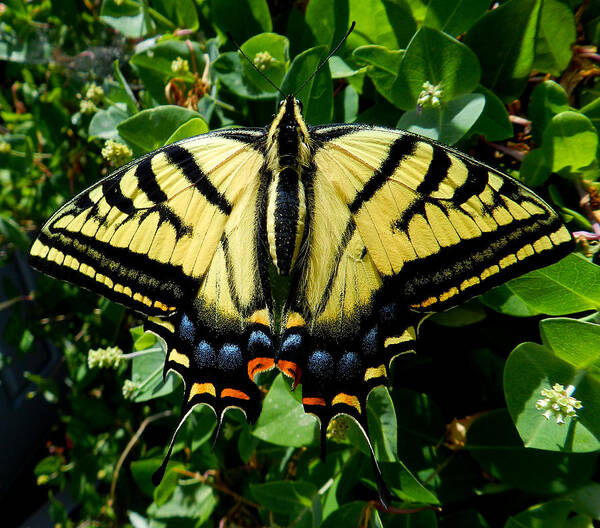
pixel 289 124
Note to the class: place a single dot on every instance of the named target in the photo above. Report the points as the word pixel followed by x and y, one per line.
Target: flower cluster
pixel 116 152
pixel 431 95
pixel 105 357
pixel 263 60
pixel 180 66
pixel 558 403
pixel 129 389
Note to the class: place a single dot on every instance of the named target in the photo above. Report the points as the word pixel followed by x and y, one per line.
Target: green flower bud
pixel 105 357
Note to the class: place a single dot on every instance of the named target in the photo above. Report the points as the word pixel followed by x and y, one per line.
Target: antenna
pixel 254 65
pixel 324 61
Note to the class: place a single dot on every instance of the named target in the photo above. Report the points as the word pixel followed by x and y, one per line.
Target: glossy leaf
pixel 569 286
pixel 447 123
pixel 382 67
pixel 454 17
pixel 504 41
pixel 379 22
pixel 570 142
pixel 556 35
pixel 547 99
pixel 130 18
pixel 554 514
pixel 434 57
pixel 193 127
pixel 493 123
pixel 282 407
pixel 534 168
pixel 532 368
pixel 158 124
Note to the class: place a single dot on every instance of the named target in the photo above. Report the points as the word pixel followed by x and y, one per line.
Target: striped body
pixel 288 157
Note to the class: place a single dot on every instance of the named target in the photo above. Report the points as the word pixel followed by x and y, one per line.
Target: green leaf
pixel 534 168
pixel 147 369
pixel 469 313
pixel 569 286
pixel 547 99
pixel 434 57
pixel 592 110
pixel 504 300
pixel 328 20
pixel 317 94
pixel 454 17
pixel 382 67
pixel 504 41
pixel 388 24
pixel 570 142
pixel 241 18
pixel 131 18
pixel 125 94
pixel 554 514
pixel 585 500
pixel 446 123
pixel 181 14
pixel 278 49
pixel 150 129
pixel 348 514
pixel 494 443
pixel 284 496
pixel 531 368
pixel 556 34
pixel 493 123
pixel 194 502
pixel 281 408
pixel 382 427
pixel 575 342
pixel 193 127
pixel 105 122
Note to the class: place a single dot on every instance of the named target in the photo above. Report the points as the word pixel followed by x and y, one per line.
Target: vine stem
pixel 129 447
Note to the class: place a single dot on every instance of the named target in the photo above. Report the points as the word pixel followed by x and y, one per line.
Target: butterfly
pixel 376 228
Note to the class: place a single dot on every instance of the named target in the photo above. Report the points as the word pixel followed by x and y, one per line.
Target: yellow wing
pixel 399 226
pixel 174 235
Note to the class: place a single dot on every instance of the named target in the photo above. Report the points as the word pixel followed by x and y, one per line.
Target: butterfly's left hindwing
pixel 174 235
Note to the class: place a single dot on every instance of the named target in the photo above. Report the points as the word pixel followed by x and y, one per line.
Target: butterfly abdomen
pixel 288 155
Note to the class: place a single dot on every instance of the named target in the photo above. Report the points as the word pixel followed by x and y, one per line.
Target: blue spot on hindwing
pixel 291 345
pixel 187 330
pixel 349 367
pixel 320 365
pixel 388 313
pixel 370 342
pixel 230 357
pixel 259 344
pixel 204 355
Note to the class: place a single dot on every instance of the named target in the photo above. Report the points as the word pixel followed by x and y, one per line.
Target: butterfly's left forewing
pixel 174 236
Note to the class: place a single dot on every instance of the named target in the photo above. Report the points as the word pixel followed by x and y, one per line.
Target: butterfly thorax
pixel 288 155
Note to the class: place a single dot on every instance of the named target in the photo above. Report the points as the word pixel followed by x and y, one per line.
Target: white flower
pixel 558 403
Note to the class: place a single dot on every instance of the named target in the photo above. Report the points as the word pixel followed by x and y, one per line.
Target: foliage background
pixel 518 90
